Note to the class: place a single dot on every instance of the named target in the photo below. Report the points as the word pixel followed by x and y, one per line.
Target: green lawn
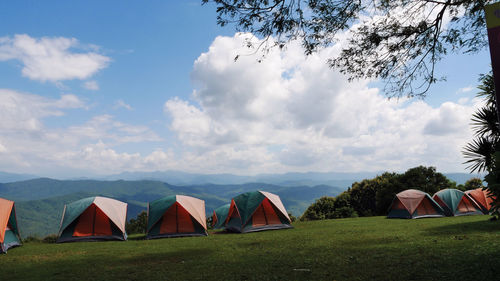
pixel 457 248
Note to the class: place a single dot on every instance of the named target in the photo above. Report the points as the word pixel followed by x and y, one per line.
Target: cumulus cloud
pixel 242 111
pixel 52 59
pixel 28 144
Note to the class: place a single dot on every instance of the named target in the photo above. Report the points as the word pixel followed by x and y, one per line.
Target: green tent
pixel 220 215
pixel 9 231
pixel 93 219
pixel 176 216
pixel 256 211
pixel 456 203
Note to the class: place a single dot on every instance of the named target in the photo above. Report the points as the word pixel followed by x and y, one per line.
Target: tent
pixel 482 198
pixel 456 203
pixel 414 204
pixel 9 231
pixel 256 211
pixel 93 219
pixel 176 216
pixel 219 216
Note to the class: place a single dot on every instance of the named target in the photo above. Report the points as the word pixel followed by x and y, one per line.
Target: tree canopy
pixel 399 41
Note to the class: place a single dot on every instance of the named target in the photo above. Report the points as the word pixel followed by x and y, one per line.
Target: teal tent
pixel 176 216
pixel 256 211
pixel 93 219
pixel 456 203
pixel 9 231
pixel 219 216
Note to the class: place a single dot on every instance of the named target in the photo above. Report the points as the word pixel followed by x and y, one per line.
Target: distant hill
pixel 461 178
pixel 10 177
pixel 287 179
pixel 39 202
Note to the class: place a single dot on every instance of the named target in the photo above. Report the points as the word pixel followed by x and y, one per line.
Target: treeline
pixel 373 197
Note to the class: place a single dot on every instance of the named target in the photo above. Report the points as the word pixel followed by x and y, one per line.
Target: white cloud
pixel 20 111
pixel 91 85
pixel 122 104
pixel 91 146
pixel 241 111
pixel 465 89
pixel 51 58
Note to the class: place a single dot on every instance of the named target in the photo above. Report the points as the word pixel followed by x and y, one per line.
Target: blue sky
pixel 101 87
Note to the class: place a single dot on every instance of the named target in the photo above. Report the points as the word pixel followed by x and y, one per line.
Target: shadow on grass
pixel 109 266
pixel 485 226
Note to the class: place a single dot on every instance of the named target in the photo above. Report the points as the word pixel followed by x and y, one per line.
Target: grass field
pixel 376 248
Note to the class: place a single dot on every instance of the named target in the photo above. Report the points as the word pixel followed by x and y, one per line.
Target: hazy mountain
pixel 287 179
pixel 10 177
pixel 461 178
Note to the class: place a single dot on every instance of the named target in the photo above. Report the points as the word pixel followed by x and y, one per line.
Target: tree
pixel 137 225
pixel 330 208
pixel 372 197
pixel 480 150
pixel 470 184
pixel 483 151
pixel 426 179
pixel 399 41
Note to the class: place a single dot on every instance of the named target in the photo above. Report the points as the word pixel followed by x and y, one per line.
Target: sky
pixel 93 88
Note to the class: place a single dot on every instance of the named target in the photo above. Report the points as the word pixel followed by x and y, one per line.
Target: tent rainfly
pixel 219 216
pixel 93 219
pixel 176 216
pixel 414 204
pixel 256 211
pixel 9 231
pixel 482 198
pixel 456 203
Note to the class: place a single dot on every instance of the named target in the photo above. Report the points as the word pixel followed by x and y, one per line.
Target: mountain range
pixel 286 179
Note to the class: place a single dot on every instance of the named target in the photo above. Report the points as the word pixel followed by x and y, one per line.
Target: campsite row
pixel 413 204
pixel 99 218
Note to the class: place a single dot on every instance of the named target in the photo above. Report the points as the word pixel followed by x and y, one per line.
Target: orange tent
pixel 256 211
pixel 482 198
pixel 176 216
pixel 413 204
pixel 9 232
pixel 93 219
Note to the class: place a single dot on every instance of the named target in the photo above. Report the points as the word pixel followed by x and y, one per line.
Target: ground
pixel 375 248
